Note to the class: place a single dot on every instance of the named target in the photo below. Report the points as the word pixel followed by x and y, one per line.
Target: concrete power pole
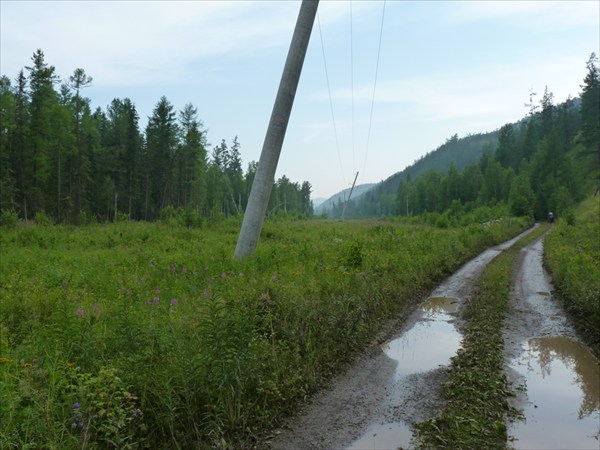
pixel 267 165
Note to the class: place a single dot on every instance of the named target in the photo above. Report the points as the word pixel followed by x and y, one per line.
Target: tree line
pixel 546 162
pixel 60 159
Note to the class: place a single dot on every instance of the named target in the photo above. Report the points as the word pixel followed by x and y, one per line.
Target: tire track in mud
pixel 374 403
pixel 560 376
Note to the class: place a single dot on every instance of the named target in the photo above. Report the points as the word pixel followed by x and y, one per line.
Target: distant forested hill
pixel 336 201
pixel 380 199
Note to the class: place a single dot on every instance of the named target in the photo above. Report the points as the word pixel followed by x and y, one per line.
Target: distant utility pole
pixel 349 195
pixel 280 116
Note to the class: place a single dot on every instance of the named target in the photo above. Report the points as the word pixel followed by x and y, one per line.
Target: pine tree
pixel 7 131
pixel 39 150
pixel 161 144
pixel 191 160
pixel 84 135
pixel 590 107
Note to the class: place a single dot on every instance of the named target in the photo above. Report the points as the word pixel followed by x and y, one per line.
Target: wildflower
pixel 173 270
pixel 174 302
pixel 156 299
pixel 80 313
pixel 137 412
pixel 96 309
pixel 157 291
pixel 183 270
pixel 76 405
pixel 223 275
pixel 25 365
pixel 5 360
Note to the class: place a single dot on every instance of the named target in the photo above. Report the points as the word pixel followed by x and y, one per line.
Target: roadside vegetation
pixel 134 335
pixel 477 390
pixel 572 255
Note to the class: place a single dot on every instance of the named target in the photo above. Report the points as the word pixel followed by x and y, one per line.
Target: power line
pixel 374 87
pixel 337 143
pixel 352 83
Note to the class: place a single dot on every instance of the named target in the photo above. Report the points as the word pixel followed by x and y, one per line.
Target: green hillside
pixel 545 161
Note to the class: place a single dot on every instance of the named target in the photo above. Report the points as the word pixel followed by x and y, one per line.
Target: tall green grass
pixel 572 255
pixel 136 335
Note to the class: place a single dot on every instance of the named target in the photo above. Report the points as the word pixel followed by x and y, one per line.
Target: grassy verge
pixel 136 335
pixel 476 389
pixel 572 256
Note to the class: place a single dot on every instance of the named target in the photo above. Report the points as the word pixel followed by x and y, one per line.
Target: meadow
pixel 572 256
pixel 140 335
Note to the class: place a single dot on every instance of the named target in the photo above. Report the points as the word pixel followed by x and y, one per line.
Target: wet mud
pixel 557 377
pixel 375 403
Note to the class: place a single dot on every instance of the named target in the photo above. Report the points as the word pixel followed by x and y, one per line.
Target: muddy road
pixel 561 402
pixel 396 382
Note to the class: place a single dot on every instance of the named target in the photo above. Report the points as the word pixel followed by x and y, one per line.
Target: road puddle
pixel 563 392
pixel 384 436
pixel 431 342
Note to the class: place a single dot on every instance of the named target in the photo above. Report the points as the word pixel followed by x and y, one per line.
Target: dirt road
pixel 396 382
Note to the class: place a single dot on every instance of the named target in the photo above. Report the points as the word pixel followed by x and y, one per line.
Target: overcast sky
pixel 445 67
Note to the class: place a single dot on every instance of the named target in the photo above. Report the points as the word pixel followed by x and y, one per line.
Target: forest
pixel 64 163
pixel 547 161
pixel 61 162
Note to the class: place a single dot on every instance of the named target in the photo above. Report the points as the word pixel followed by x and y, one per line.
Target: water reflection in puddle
pixel 386 436
pixel 563 391
pixel 430 342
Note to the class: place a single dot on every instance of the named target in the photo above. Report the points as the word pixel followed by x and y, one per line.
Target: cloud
pixel 533 15
pixel 497 91
pixel 140 42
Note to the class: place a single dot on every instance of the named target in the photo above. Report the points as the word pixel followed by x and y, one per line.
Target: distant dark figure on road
pixel 550 217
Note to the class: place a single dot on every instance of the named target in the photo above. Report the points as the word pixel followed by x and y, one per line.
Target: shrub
pixel 41 218
pixel 9 218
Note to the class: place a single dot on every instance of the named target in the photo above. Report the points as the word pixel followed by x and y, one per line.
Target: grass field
pixel 572 255
pixel 137 335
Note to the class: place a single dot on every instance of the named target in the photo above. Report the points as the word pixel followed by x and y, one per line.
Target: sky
pixel 444 68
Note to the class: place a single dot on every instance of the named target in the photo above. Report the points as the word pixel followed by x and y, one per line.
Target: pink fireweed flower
pixel 157 291
pixel 174 302
pixel 156 299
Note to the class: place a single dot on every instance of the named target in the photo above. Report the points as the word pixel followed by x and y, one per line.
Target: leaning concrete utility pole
pixel 280 116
